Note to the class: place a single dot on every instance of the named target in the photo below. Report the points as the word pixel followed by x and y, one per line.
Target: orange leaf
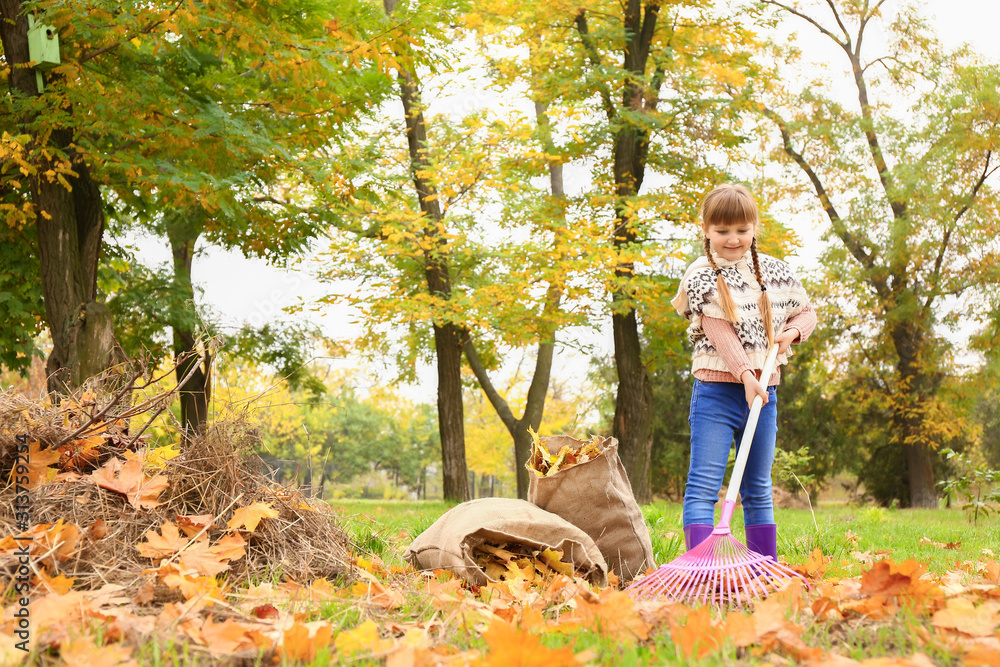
pixel 81 652
pixel 962 615
pixel 992 571
pixel 168 542
pixel 192 524
pixel 37 470
pixel 301 644
pixel 982 656
pixel 200 558
pixel 205 589
pixel 98 529
pixel 230 547
pixel 60 538
pixel 698 637
pixel 58 584
pixel 226 637
pixel 511 647
pixel 814 567
pixel 612 615
pixel 248 517
pixel 129 480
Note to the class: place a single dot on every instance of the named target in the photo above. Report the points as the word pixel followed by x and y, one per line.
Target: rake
pixel 720 571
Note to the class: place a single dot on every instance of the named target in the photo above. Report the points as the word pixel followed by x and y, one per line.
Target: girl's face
pixel 730 241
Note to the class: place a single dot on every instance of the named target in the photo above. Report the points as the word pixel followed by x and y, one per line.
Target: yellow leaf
pixel 248 517
pixel 365 637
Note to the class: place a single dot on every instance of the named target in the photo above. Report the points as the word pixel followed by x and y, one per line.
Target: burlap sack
pixel 597 497
pixel 449 542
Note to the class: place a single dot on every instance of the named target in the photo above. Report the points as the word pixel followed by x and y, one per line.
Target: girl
pixel 739 303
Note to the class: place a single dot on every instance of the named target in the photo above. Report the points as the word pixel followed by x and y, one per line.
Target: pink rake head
pixel 720 571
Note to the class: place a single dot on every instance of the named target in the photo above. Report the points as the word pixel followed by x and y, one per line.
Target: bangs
pixel 729 205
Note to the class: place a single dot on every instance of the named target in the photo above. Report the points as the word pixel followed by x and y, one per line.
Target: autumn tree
pixel 905 174
pixel 632 87
pixel 190 117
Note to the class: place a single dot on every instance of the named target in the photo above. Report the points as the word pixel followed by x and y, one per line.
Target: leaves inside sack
pixel 543 463
pixel 510 561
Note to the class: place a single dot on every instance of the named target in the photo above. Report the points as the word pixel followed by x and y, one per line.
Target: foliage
pixel 978 485
pixel 317 439
pixel 906 177
pixel 198 111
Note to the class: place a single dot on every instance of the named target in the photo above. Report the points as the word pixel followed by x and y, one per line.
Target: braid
pixel 765 301
pixel 725 296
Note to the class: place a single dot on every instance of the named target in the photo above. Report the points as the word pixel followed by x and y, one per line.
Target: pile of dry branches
pixel 88 528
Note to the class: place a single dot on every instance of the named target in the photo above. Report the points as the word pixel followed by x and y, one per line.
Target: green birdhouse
pixel 43 48
pixel 43 44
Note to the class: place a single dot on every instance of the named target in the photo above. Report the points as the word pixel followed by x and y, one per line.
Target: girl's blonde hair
pixel 731 204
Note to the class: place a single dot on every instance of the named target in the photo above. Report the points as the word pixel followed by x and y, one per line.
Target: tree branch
pixel 145 31
pixel 946 240
pixel 595 59
pixel 814 22
pixel 494 397
pixel 855 245
pixel 836 15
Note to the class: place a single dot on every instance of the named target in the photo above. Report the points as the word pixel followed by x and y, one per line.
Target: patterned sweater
pixel 698 298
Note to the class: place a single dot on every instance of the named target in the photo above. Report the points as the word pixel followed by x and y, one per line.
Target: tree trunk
pixel 633 425
pixel 69 226
pixel 633 422
pixel 196 392
pixel 451 413
pixel 448 337
pixel 917 389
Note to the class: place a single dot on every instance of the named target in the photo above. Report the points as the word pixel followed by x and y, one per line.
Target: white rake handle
pixel 744 451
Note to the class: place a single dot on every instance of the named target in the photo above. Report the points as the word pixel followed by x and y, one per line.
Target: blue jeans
pixel 718 415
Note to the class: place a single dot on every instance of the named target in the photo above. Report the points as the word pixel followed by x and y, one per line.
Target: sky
pixel 241 290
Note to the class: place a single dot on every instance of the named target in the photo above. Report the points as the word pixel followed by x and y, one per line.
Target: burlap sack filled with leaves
pixel 584 482
pixel 468 536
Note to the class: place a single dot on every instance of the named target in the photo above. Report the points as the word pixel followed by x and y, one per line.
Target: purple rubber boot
pixel 763 538
pixel 696 533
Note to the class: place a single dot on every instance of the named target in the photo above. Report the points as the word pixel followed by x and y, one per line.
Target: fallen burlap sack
pixel 449 542
pixel 586 484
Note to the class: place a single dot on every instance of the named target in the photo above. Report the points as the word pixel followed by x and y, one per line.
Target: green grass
pixel 851 536
pixel 846 533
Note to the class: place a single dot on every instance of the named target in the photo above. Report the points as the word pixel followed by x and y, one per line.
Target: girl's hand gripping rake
pixel 720 570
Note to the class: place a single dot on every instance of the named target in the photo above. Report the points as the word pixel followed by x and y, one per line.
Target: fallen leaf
pixel 98 529
pixel 249 517
pixel 513 647
pixel 200 558
pixel 940 545
pixel 962 615
pixel 378 595
pixel 613 614
pixel 192 524
pixel 82 652
pixel 129 479
pixel 58 584
pixel 981 656
pixel 39 462
pixel 163 544
pixel 299 643
pixel 365 637
pixel 230 547
pixel 145 594
pixel 225 638
pixel 698 637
